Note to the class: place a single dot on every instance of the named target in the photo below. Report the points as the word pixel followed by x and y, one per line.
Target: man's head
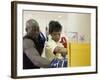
pixel 55 29
pixel 32 28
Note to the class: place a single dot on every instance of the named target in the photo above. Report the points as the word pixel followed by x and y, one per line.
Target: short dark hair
pixel 54 26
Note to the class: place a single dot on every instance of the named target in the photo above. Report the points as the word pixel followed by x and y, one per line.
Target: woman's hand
pixel 64 41
pixel 60 50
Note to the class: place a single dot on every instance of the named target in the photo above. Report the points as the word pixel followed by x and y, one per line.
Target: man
pixel 33 44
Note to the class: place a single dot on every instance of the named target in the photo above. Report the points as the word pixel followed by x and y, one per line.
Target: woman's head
pixel 55 29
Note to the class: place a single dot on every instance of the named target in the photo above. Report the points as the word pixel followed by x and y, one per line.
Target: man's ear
pixel 26 29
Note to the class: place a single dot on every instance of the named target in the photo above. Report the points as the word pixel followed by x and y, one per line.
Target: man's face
pixel 33 31
pixel 55 36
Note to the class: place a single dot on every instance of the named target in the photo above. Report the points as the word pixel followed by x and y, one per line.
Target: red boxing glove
pixel 64 41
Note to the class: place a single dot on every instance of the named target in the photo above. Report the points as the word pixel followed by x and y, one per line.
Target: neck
pixel 29 35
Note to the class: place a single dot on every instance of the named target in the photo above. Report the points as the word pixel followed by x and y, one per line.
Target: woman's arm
pixel 61 50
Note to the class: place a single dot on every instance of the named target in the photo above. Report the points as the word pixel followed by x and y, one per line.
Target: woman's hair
pixel 54 26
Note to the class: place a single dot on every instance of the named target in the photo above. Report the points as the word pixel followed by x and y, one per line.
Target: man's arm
pixel 33 55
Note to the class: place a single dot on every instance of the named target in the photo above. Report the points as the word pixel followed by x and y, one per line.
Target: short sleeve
pixel 51 45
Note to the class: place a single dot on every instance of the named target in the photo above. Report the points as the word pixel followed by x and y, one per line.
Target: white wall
pixel 71 22
pixel 5 41
pixel 80 23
